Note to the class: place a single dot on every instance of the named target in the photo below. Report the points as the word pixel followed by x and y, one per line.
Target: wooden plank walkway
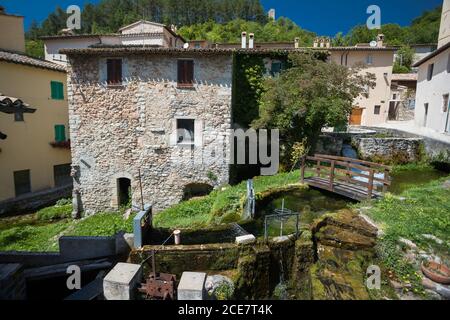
pixel 352 178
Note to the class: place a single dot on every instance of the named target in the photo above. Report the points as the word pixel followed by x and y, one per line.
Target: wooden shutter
pixel 114 71
pixel 185 73
pixel 60 133
pixel 57 90
pixel 22 183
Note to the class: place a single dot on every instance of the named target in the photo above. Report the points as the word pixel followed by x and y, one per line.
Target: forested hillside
pixel 221 21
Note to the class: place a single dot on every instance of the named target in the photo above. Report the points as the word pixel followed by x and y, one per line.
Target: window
pixel 197 46
pixel 369 59
pixel 60 133
pixel 22 184
pixel 61 175
pixel 185 73
pixel 445 103
pixel 57 89
pixel 430 71
pixel 425 118
pixel 18 116
pixel 276 67
pixel 394 96
pixel 185 131
pixel 114 71
pixel 377 110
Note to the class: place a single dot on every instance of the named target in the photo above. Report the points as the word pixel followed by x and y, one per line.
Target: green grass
pixel 41 231
pixel 102 224
pixel 220 206
pixel 424 210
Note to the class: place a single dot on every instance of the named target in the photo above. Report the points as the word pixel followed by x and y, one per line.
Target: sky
pixel 325 17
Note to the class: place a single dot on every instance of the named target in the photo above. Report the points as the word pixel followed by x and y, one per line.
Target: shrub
pixel 56 212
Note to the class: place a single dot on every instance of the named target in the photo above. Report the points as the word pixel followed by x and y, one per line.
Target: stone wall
pixel 118 131
pixel 35 200
pixel 389 150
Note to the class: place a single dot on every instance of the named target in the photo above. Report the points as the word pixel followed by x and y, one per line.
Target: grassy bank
pixel 422 209
pixel 40 231
pixel 220 206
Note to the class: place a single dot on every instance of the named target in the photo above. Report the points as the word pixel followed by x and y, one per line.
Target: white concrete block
pixel 122 281
pixel 192 286
pixel 247 239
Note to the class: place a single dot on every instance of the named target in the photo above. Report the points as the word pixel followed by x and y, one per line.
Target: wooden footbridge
pixel 351 178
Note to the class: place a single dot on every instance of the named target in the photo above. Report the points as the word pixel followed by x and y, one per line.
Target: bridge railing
pixel 368 176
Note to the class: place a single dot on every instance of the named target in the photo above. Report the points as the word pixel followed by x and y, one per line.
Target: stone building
pixel 143 33
pixel 159 118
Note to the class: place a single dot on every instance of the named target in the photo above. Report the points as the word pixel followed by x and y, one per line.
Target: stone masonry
pixel 117 131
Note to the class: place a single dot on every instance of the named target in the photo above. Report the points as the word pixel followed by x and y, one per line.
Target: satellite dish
pixel 373 44
pixel 186 45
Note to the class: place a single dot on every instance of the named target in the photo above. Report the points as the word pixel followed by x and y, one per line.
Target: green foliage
pixel 424 29
pixel 211 176
pixel 282 29
pixel 110 15
pixel 59 211
pixel 404 60
pixel 220 206
pixel 35 48
pixel 248 80
pixel 224 291
pixel 310 95
pixel 102 224
pixel 31 236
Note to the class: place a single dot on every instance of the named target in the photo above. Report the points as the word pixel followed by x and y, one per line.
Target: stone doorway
pixel 123 191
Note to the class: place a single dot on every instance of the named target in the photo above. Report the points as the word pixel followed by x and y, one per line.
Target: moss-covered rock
pixel 343 244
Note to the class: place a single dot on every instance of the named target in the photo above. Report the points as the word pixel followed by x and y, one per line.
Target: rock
pixel 122 281
pixel 409 243
pixel 214 286
pixel 444 291
pixel 396 285
pixel 344 243
pixel 431 237
pixel 191 286
pixel 247 239
pixel 345 239
pixel 433 295
pixel 446 185
pixel 429 284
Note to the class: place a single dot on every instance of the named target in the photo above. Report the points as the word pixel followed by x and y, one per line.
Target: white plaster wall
pixel 432 92
pixel 380 95
pixel 143 28
pixel 53 46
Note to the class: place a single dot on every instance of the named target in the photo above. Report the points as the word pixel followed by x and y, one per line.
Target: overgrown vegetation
pixel 421 210
pixel 221 206
pixel 310 95
pixel 41 231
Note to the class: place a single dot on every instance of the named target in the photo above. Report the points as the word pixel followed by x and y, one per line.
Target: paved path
pixel 411 127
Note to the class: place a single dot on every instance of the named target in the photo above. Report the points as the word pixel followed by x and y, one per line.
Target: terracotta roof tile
pixel 20 58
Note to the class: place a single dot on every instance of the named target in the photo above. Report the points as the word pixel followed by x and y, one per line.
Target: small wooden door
pixel 355 117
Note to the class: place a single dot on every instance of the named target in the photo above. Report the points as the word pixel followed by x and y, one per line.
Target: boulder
pixel 219 287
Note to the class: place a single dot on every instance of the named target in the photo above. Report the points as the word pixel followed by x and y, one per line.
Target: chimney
pixel 322 42
pixel 380 40
pixel 297 43
pixel 316 42
pixel 251 40
pixel 244 40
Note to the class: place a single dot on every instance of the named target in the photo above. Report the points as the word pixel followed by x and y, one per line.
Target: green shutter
pixel 57 89
pixel 60 133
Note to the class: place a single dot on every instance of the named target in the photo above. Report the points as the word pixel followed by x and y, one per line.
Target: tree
pixel 307 97
pixel 404 60
pixel 35 48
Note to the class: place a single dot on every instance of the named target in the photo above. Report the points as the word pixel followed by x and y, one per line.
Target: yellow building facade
pixel 31 147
